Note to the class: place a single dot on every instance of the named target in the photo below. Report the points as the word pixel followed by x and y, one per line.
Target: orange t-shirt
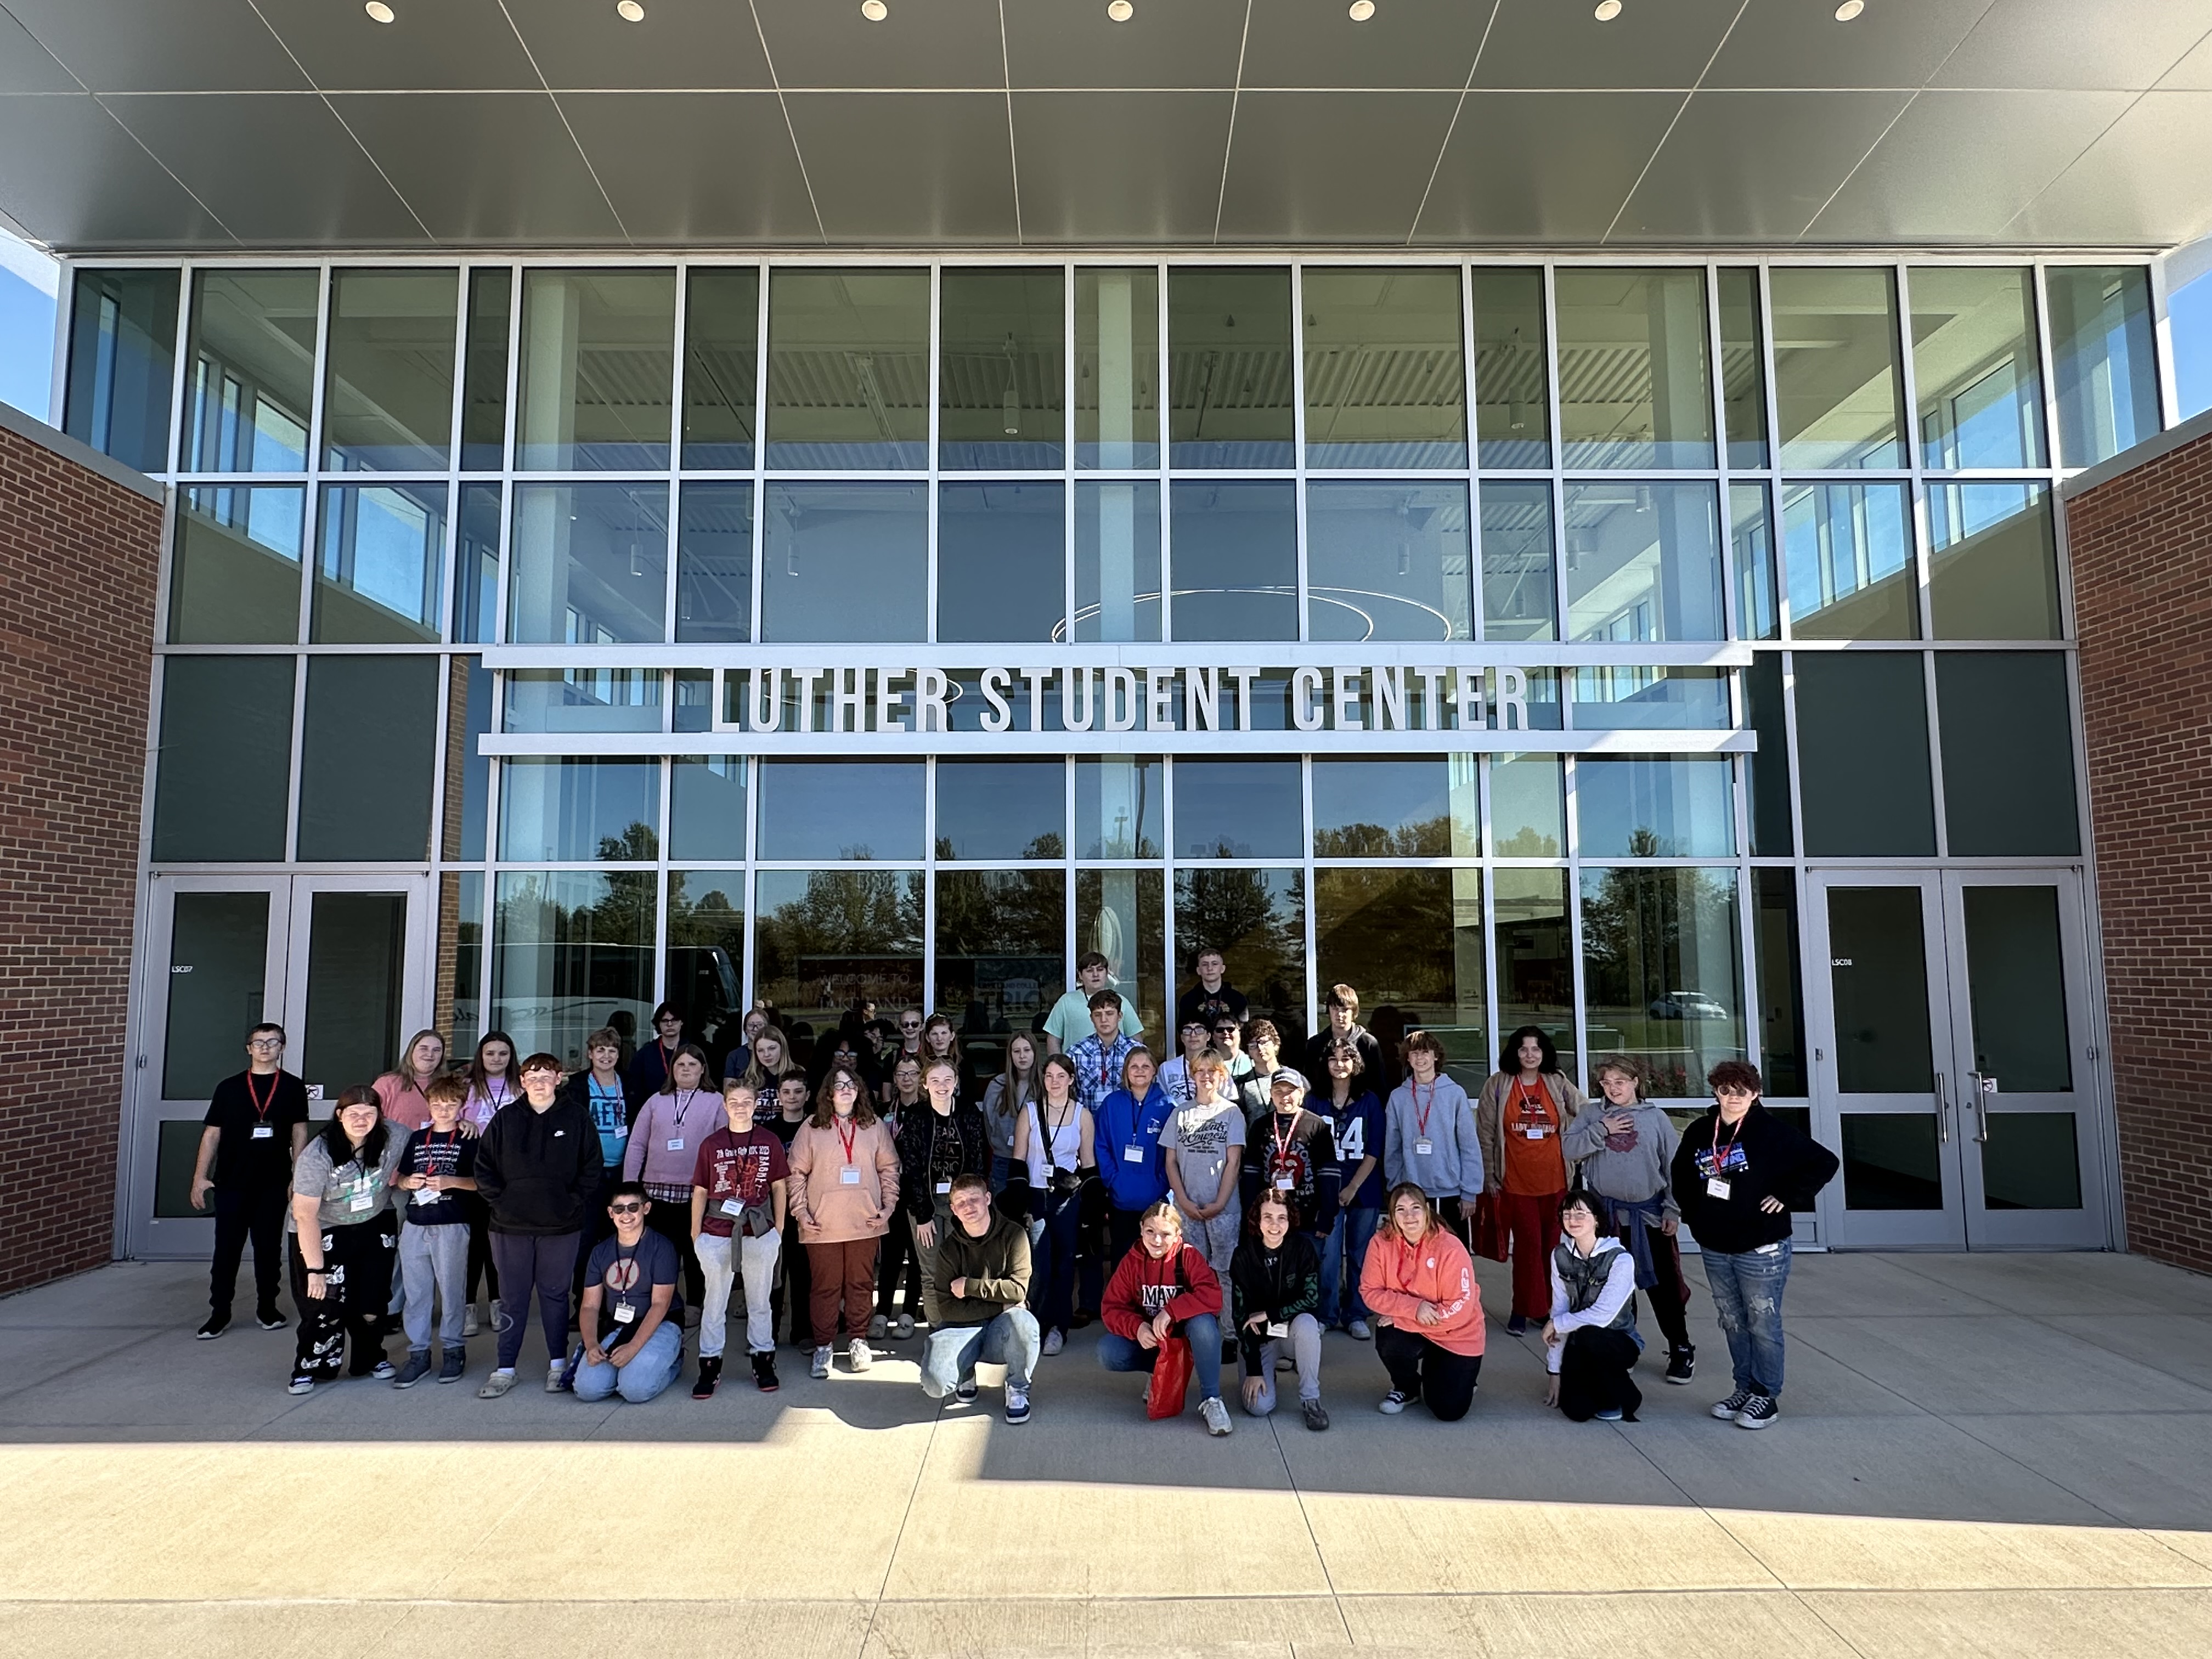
pixel 1529 1124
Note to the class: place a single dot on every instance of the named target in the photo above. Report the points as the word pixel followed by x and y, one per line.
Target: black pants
pixel 1595 1375
pixel 898 1269
pixel 794 1290
pixel 356 1289
pixel 1421 1370
pixel 241 1214
pixel 671 1219
pixel 1457 1219
pixel 483 1271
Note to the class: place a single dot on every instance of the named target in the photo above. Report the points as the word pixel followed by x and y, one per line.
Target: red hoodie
pixel 1141 1286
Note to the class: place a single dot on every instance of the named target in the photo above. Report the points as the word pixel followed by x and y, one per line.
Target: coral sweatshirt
pixel 1398 1279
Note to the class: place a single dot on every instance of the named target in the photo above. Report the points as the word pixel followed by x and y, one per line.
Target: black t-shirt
pixel 784 1132
pixel 431 1152
pixel 245 1158
pixel 1198 1003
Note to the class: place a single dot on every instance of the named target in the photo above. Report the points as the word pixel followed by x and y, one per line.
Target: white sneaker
pixel 554 1374
pixel 1360 1331
pixel 1054 1341
pixel 1217 1417
pixel 469 1326
pixel 822 1358
pixel 859 1356
pixel 878 1325
pixel 499 1321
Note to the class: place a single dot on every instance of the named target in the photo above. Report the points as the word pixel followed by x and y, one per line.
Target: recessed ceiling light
pixel 1607 10
pixel 629 11
pixel 874 10
pixel 1850 10
pixel 1362 10
pixel 1121 11
pixel 379 12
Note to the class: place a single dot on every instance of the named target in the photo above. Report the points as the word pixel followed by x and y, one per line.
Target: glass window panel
pixel 1836 376
pixel 706 815
pixel 1992 561
pixel 1663 972
pixel 1778 962
pixel 2102 353
pixel 476 565
pixel 250 371
pixel 367 758
pixel 1878 969
pixel 694 704
pixel 1512 396
pixel 1239 809
pixel 388 395
pixel 1117 806
pixel 1001 809
pixel 705 962
pixel 827 939
pixel 2016 988
pixel 1654 807
pixel 1535 943
pixel 1767 769
pixel 357 951
pixel 382 566
pixel 1519 588
pixel 1847 552
pixel 2032 1161
pixel 1234 549
pixel 848 369
pixel 1257 920
pixel 459 1006
pixel 1636 387
pixel 1892 1161
pixel 721 373
pixel 225 770
pixel 714 564
pixel 1387 562
pixel 218 969
pixel 121 356
pixel 841 809
pixel 564 810
pixel 1417 807
pixel 598 370
pixel 591 564
pixel 1544 710
pixel 1527 807
pixel 571 950
pixel 1229 395
pixel 1117 561
pixel 1751 531
pixel 1123 915
pixel 483 376
pixel 845 563
pixel 1001 385
pixel 1863 716
pixel 1643 563
pixel 468 774
pixel 1386 371
pixel 582 700
pixel 1408 939
pixel 1001 958
pixel 1743 366
pixel 1117 360
pixel 234 577
pixel 1650 699
pixel 2007 753
pixel 1974 368
pixel 1001 562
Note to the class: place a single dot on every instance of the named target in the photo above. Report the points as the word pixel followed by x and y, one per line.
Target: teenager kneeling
pixel 1420 1282
pixel 633 1319
pixel 1590 1340
pixel 1276 1278
pixel 980 1279
pixel 1163 1288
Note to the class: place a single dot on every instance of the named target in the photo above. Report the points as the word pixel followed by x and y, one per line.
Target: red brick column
pixel 2141 543
pixel 79 552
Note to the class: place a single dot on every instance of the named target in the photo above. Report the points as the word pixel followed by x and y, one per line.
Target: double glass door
pixel 341 962
pixel 1954 1067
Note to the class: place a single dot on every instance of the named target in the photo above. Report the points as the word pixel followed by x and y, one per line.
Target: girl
pixel 1429 1136
pixel 1354 1113
pixel 1521 1121
pixel 897 1268
pixel 1420 1280
pixel 1163 1288
pixel 1053 1137
pixel 1276 1279
pixel 937 1143
pixel 844 1189
pixel 771 1064
pixel 1005 1102
pixel 664 1147
pixel 1590 1341
pixel 1130 1159
pixel 1624 1153
pixel 400 1091
pixel 794 1284
pixel 342 1229
pixel 491 1085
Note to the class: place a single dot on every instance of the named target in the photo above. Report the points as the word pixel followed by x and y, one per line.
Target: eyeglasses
pixel 846 1086
pixel 1225 1031
pixel 266 1043
pixel 625 1209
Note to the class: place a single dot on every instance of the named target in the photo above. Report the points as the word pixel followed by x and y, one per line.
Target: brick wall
pixel 2141 543
pixel 78 557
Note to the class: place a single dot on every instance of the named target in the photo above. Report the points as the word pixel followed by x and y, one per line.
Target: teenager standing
pixel 342 1231
pixel 403 1091
pixel 844 1187
pixel 1056 1140
pixel 664 1148
pixel 1354 1113
pixel 1624 1153
pixel 1204 1142
pixel 794 1285
pixel 437 1170
pixel 1430 1137
pixel 655 1064
pixel 1521 1120
pixel 492 1085
pixel 256 1125
pixel 739 1190
pixel 937 1143
pixel 1004 1102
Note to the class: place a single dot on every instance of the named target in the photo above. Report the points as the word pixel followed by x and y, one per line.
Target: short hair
pixel 1108 997
pixel 1205 951
pixel 605 1037
pixel 1210 1055
pixel 668 1011
pixel 738 1085
pixel 628 1189
pixel 1424 1042
pixel 540 1062
pixel 1627 1065
pixel 253 1032
pixel 1090 959
pixel 453 1090
pixel 971 1183
pixel 1735 1074
pixel 905 1061
pixel 1587 1199
pixel 1337 1045
pixel 1509 1056
pixel 1342 996
pixel 1262 1028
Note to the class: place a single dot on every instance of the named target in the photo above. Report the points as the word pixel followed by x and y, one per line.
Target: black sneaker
pixel 1516 1326
pixel 764 1373
pixel 1758 1412
pixel 301 1385
pixel 452 1363
pixel 416 1367
pixel 964 1389
pixel 270 1319
pixel 710 1372
pixel 1680 1362
pixel 1727 1410
pixel 215 1325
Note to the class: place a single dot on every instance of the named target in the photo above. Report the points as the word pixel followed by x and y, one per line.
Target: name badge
pixel 1277 1330
pixel 730 1206
pixel 262 1132
pixel 1535 1132
pixel 1424 1147
pixel 424 1196
pixel 943 1186
pixel 849 1175
pixel 1133 1155
pixel 624 1314
pixel 1715 1187
pixel 360 1201
pixel 1283 1183
pixel 677 1145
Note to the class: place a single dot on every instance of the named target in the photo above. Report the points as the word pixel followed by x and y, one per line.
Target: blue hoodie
pixel 1123 1126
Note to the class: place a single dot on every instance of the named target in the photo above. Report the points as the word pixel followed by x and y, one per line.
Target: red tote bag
pixel 1489 1229
pixel 1171 1380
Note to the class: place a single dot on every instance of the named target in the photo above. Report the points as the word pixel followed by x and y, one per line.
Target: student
pixel 1738 1174
pixel 1055 1140
pixel 1128 1124
pixel 1163 1288
pixel 342 1229
pixel 768 1062
pixel 1069 1022
pixel 599 1090
pixel 1291 1148
pixel 1175 1077
pixel 1212 997
pixel 1353 1112
pixel 1100 1057
pixel 402 1092
pixel 1229 1037
pixel 537 1171
pixel 1005 1102
pixel 979 1282
pixel 1420 1280
pixel 795 1288
pixel 739 1192
pixel 937 1143
pixel 1276 1282
pixel 437 1166
pixel 898 1267
pixel 1590 1340
pixel 844 1187
pixel 1624 1153
pixel 939 1041
pixel 908 1048
pixel 256 1125
pixel 491 1085
pixel 1204 1140
pixel 1429 1137
pixel 1342 1005
pixel 1521 1121
pixel 630 1295
pixel 1256 1091
pixel 655 1063
pixel 663 1149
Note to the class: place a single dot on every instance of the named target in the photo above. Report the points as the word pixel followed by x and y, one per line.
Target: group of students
pixel 1217 1209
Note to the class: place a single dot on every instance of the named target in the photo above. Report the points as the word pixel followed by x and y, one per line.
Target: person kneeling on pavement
pixel 1590 1340
pixel 979 1287
pixel 633 1314
pixel 1275 1277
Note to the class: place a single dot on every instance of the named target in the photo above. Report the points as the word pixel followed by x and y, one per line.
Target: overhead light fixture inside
pixel 1850 10
pixel 1362 10
pixel 379 12
pixel 1121 11
pixel 1607 10
pixel 629 11
pixel 874 10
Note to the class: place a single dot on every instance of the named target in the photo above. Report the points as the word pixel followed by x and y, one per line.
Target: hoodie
pixel 1123 1126
pixel 1632 1167
pixel 964 1139
pixel 1595 1292
pixel 540 1172
pixel 1452 1166
pixel 829 1209
pixel 1764 1157
pixel 995 1265
pixel 1281 1284
pixel 1181 1282
pixel 1398 1279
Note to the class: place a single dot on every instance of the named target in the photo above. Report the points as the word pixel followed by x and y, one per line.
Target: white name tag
pixel 849 1175
pixel 1283 1183
pixel 730 1206
pixel 424 1196
pixel 1133 1155
pixel 1715 1187
pixel 262 1132
pixel 1534 1131
pixel 624 1314
pixel 360 1201
pixel 1277 1331
pixel 677 1145
pixel 943 1186
pixel 1424 1147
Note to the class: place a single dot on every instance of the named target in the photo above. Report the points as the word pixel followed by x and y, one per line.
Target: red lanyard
pixel 1533 1102
pixel 1423 1110
pixel 1105 1070
pixel 260 1106
pixel 848 1132
pixel 1282 1140
pixel 1735 1132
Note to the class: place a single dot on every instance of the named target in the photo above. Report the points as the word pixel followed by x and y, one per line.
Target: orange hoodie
pixel 1398 1279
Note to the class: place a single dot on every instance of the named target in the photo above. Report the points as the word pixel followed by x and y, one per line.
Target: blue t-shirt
pixel 1123 1126
pixel 627 1275
pixel 430 1152
pixel 611 1117
pixel 1358 1132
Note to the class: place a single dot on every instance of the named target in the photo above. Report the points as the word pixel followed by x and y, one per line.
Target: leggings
pixel 898 1262
pixel 794 1289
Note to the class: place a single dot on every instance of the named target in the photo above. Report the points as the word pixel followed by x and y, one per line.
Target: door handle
pixel 1981 1110
pixel 1942 1111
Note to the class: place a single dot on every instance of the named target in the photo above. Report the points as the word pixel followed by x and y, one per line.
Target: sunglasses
pixel 625 1209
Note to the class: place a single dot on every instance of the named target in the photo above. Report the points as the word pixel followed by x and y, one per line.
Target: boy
pixel 1069 1022
pixel 1099 1057
pixel 795 1284
pixel 439 1163
pixel 980 1283
pixel 257 1122
pixel 1176 1076
pixel 631 1295
pixel 1343 1006
pixel 1213 997
pixel 738 1190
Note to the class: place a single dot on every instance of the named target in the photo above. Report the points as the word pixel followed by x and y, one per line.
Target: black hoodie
pixel 539 1171
pixel 1763 1156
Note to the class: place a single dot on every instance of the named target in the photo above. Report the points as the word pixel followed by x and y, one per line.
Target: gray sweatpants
pixel 1305 1354
pixel 434 1259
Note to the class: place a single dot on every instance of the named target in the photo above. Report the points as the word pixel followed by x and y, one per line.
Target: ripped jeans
pixel 1746 1292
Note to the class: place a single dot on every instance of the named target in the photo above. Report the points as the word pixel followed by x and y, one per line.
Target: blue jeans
pixel 1052 1261
pixel 650 1370
pixel 949 1355
pixel 1747 1292
pixel 1353 1232
pixel 1119 1353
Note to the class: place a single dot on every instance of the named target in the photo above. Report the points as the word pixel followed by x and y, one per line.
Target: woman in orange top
pixel 1420 1284
pixel 1519 1120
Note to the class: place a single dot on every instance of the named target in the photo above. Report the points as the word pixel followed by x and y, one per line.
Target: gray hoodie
pixel 1452 1166
pixel 1631 1167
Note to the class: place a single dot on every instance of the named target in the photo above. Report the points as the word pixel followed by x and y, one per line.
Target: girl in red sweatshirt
pixel 1164 1288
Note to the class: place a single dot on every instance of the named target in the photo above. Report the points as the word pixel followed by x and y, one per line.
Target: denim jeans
pixel 1746 1292
pixel 949 1355
pixel 1353 1232
pixel 650 1370
pixel 1119 1353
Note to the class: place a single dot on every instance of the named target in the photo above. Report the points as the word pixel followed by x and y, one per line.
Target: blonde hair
pixel 1629 1067
pixel 1162 1210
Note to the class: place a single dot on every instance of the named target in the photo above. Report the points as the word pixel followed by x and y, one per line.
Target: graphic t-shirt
pixel 611 1117
pixel 737 1170
pixel 626 1275
pixel 428 1152
pixel 255 1115
pixel 1357 1129
pixel 1292 1152
pixel 1199 1133
pixel 350 1192
pixel 1529 1124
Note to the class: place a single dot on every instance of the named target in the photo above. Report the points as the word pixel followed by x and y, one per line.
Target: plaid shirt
pixel 1098 1066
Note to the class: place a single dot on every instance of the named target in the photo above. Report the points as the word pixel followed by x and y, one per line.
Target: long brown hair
pixel 825 1099
pixel 1013 1096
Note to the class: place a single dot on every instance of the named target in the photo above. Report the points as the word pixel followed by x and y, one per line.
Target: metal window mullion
pixel 299 742
pixel 1071 915
pixel 760 459
pixel 1748 999
pixel 444 726
pixel 1164 433
pixel 936 348
pixel 1299 484
pixel 929 853
pixel 1731 617
pixel 2161 338
pixel 1914 455
pixel 1310 877
pixel 311 510
pixel 1935 752
pixel 1769 372
pixel 675 454
pixel 1067 277
pixel 181 369
pixel 1487 910
pixel 1478 618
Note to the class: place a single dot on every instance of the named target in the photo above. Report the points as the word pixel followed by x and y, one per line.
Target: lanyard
pixel 626 1267
pixel 1423 1110
pixel 1282 1140
pixel 260 1106
pixel 1105 1068
pixel 1532 1100
pixel 848 1132
pixel 1052 1131
pixel 1736 1133
pixel 494 1090
pixel 687 1105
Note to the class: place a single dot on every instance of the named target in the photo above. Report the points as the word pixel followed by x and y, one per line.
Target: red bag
pixel 1171 1380
pixel 1489 1229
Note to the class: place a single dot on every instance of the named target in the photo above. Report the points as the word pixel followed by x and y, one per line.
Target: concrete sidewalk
pixel 1997 1454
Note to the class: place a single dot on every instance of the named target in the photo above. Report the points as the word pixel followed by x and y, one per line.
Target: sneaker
pixel 964 1389
pixel 710 1372
pixel 384 1371
pixel 1054 1342
pixel 301 1385
pixel 1516 1326
pixel 556 1375
pixel 764 1373
pixel 469 1326
pixel 1360 1331
pixel 499 1321
pixel 496 1385
pixel 1393 1403
pixel 1727 1410
pixel 822 1357
pixel 1017 1404
pixel 1316 1418
pixel 416 1367
pixel 1680 1362
pixel 268 1319
pixel 858 1355
pixel 879 1328
pixel 451 1366
pixel 1758 1412
pixel 215 1325
pixel 902 1327
pixel 1217 1417
pixel 1608 1415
